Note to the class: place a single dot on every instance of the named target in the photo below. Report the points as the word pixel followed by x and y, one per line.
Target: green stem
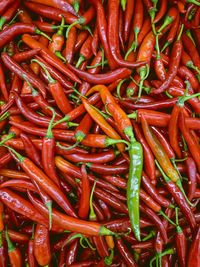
pixel 119 87
pixel 8 137
pixel 37 31
pixel 11 246
pixel 59 55
pixel 92 215
pixel 4 116
pixel 16 15
pixel 78 21
pixel 19 156
pixel 50 79
pixel 180 32
pixel 109 259
pixel 69 147
pixel 80 61
pixel 49 133
pixel 166 22
pixel 123 4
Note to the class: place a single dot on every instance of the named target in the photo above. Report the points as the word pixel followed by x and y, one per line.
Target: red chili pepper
pixel 17 203
pixel 11 64
pixel 113 9
pixel 85 51
pixel 13 253
pixel 102 31
pixel 172 33
pixel 173 66
pixel 3 252
pixel 85 195
pixel 181 244
pixel 31 150
pixel 161 119
pixel 191 49
pixel 194 257
pixel 82 36
pixel 72 224
pixel 95 41
pixel 51 12
pixel 125 253
pixel 63 5
pixel 31 257
pixel 7 16
pixel 179 199
pixel 164 142
pixel 191 142
pixel 50 57
pixel 101 246
pixel 144 54
pixel 14 30
pixel 191 171
pixel 70 45
pixel 72 253
pixel 128 14
pixel 41 247
pixel 4 4
pixel 57 39
pixel 42 180
pixel 153 192
pixel 161 12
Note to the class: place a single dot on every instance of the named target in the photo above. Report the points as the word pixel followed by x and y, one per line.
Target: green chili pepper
pixel 133 186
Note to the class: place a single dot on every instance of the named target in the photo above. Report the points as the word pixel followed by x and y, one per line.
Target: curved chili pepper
pixel 3 256
pixel 57 39
pixel 85 195
pixel 125 253
pixel 193 258
pixel 12 65
pixel 63 5
pixel 41 245
pixel 173 66
pixel 152 190
pixel 191 49
pixel 159 152
pixel 85 51
pixel 102 30
pixel 95 41
pixel 101 246
pixel 51 12
pixel 107 78
pixel 102 157
pixel 164 142
pixel 191 171
pixel 179 198
pixel 55 74
pixel 161 119
pixel 72 253
pixel 13 252
pixel 107 169
pixel 191 142
pixel 70 45
pixel 74 171
pixel 169 18
pixel 42 180
pixel 13 201
pixel 50 57
pixel 7 16
pixel 137 25
pixel 113 25
pixel 102 123
pixel 5 4
pixel 172 32
pixel 18 28
pixel 144 54
pixel 72 224
pixel 30 149
pixel 161 12
pixel 25 55
pixel 153 216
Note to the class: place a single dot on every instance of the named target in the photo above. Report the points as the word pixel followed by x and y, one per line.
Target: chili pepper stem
pixel 49 207
pixel 92 214
pixel 37 31
pixel 8 137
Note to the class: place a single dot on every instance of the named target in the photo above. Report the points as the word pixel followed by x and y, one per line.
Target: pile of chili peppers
pixel 100 133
